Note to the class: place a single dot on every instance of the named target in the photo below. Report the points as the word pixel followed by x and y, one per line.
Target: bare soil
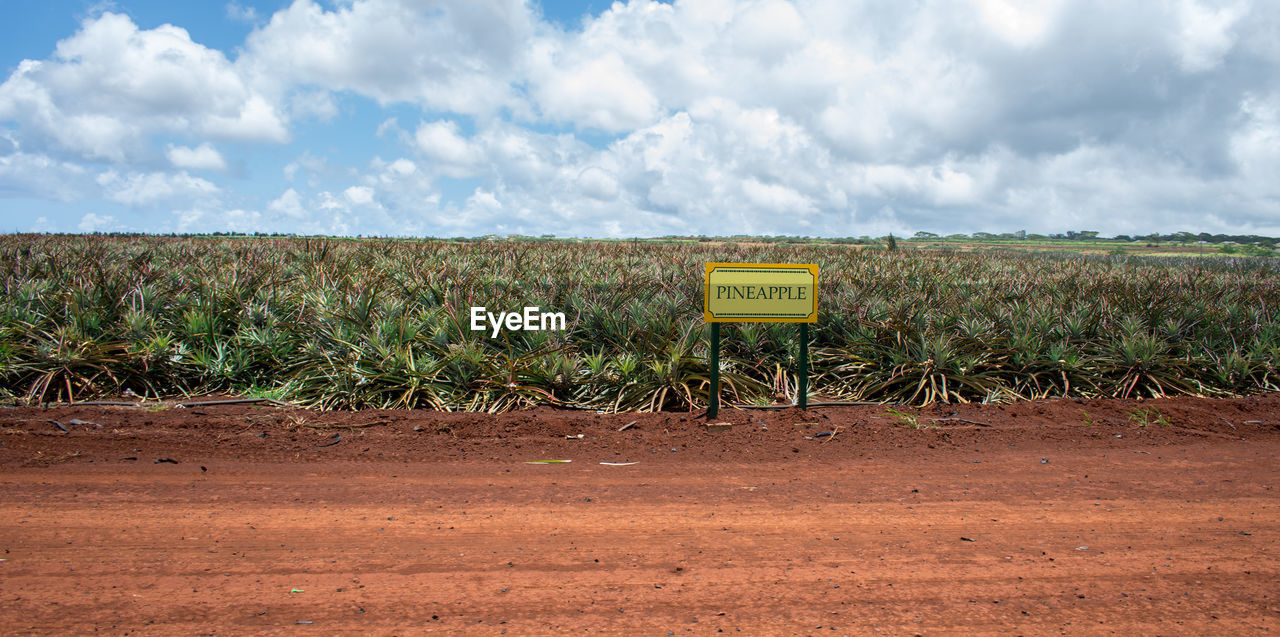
pixel 1079 517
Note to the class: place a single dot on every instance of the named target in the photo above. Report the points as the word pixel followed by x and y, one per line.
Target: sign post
pixel 760 293
pixel 802 392
pixel 713 403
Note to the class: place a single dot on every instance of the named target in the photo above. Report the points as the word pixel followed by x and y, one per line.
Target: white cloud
pixel 388 126
pixel 775 198
pixel 145 189
pixel 454 56
pixel 443 142
pixel 1021 23
pixel 41 176
pixel 1205 33
pixel 403 167
pixel 1255 147
pixel 359 195
pixel 111 87
pixel 317 105
pixel 484 200
pixel 598 183
pixel 289 204
pixel 596 92
pixel 91 222
pixel 326 201
pixel 256 120
pixel 716 116
pixel 767 30
pixel 241 13
pixel 202 157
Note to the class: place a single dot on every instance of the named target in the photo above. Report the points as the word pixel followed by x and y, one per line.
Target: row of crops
pixel 372 323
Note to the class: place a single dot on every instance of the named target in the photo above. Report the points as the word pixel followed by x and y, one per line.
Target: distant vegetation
pixel 1237 244
pixel 384 323
pixel 1177 238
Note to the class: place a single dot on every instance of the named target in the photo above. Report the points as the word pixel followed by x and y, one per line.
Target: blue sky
pixel 639 118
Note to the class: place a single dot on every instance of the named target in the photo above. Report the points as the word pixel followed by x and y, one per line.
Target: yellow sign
pixel 761 293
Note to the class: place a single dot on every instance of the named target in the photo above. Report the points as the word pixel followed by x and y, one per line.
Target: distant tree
pixel 893 243
pixel 925 235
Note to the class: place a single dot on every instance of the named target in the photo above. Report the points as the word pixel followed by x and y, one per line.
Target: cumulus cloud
pixel 443 142
pixel 145 189
pixel 719 116
pixel 595 92
pixel 454 56
pixel 402 167
pixel 1021 23
pixel 1205 33
pixel 318 105
pixel 598 183
pixel 359 195
pixel 111 87
pixel 1255 150
pixel 289 204
pixel 202 157
pixel 43 177
pixel 91 222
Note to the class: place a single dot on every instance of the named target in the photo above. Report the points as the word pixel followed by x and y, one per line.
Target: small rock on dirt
pixel 337 438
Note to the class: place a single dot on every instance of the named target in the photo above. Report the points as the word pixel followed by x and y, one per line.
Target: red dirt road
pixel 1034 518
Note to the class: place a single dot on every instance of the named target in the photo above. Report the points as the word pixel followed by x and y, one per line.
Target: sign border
pixel 707 316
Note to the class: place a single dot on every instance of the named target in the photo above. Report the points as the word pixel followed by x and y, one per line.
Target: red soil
pixel 1044 517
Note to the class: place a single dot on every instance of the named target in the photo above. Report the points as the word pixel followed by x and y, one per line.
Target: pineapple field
pixel 341 323
pixel 400 468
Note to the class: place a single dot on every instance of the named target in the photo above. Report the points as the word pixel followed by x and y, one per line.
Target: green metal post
pixel 802 392
pixel 713 402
